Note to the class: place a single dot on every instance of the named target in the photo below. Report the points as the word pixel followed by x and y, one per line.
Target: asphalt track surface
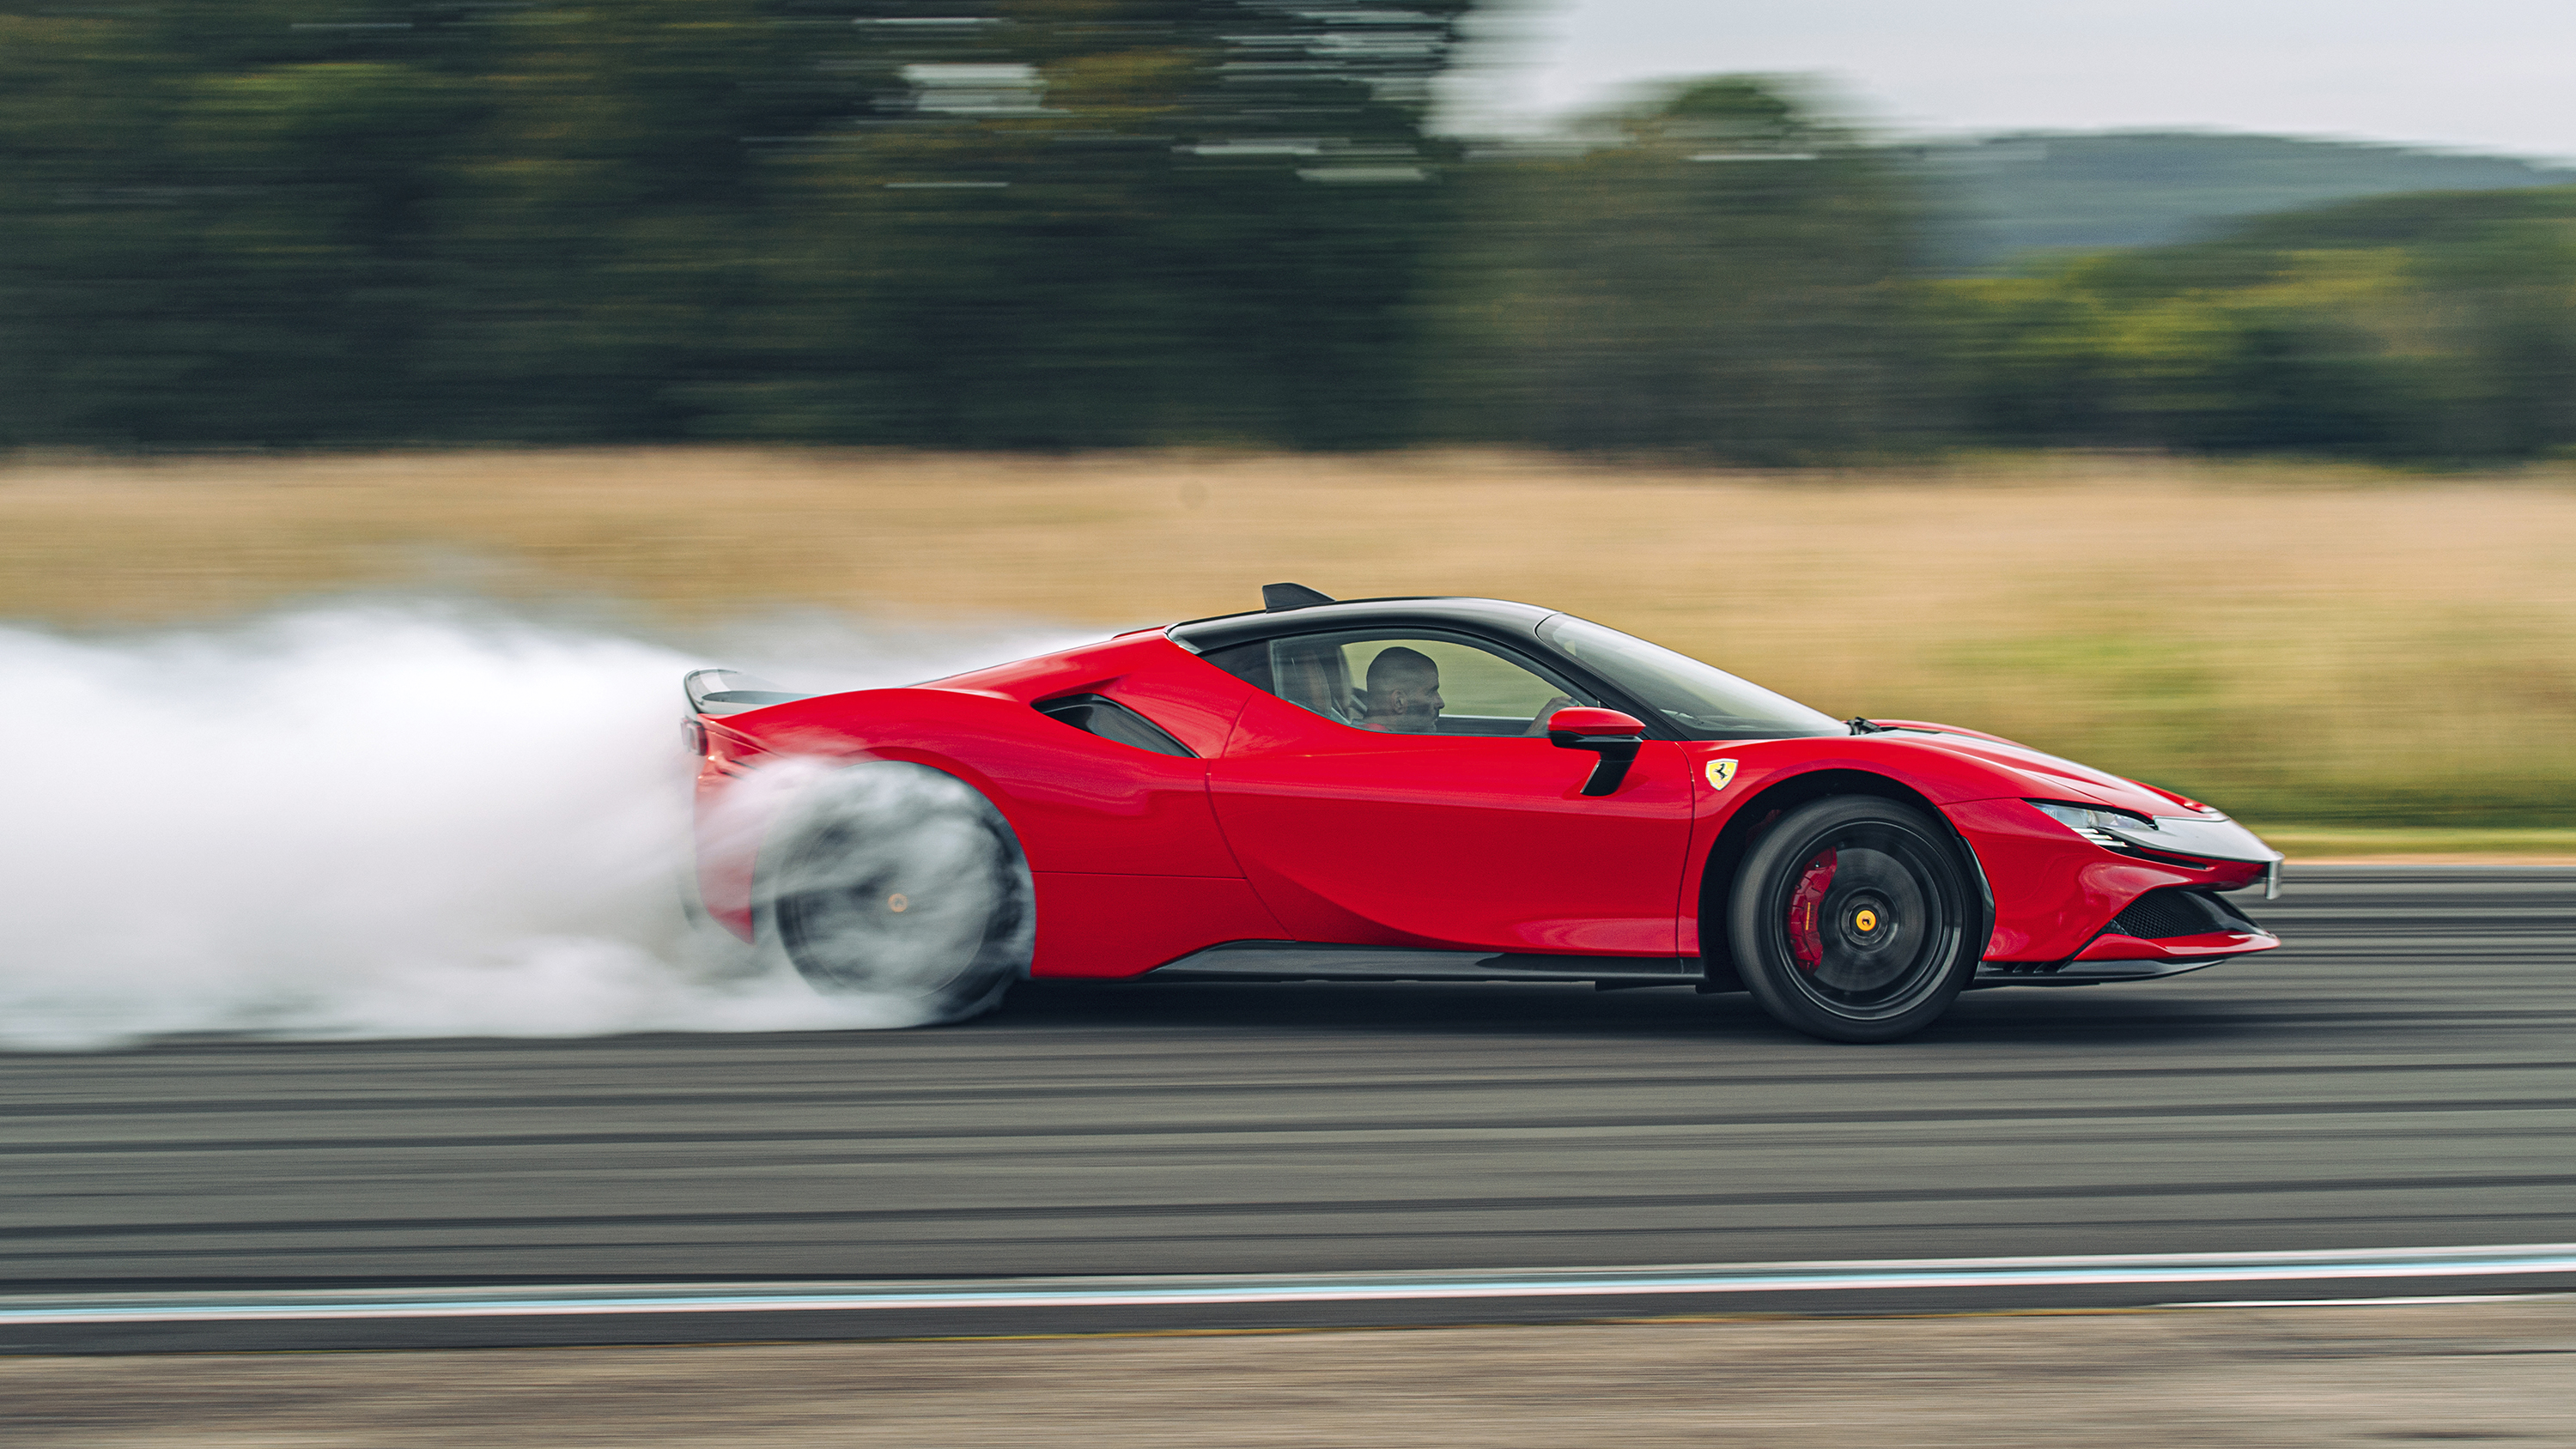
pixel 2400 1075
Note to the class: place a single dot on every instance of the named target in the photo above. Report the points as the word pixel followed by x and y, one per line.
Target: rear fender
pixel 1075 801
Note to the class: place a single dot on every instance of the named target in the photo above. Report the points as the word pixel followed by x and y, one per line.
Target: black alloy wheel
pixel 900 883
pixel 1856 919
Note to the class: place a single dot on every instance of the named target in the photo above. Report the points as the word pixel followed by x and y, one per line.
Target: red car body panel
pixel 1449 843
pixel 1288 826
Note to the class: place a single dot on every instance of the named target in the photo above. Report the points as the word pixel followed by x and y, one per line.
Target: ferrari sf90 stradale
pixel 1433 789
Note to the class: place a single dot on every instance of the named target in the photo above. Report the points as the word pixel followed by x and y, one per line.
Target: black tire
pixel 898 883
pixel 1855 919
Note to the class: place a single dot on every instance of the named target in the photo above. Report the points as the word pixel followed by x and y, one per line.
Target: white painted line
pixel 2113 1270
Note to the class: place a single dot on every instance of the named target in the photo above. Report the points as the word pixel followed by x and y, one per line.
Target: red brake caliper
pixel 1804 907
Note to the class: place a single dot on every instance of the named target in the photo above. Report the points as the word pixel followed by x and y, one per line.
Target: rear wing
pixel 720 692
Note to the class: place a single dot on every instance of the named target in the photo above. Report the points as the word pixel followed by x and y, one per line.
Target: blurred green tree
pixel 2432 327
pixel 1083 222
pixel 980 222
pixel 212 232
pixel 1720 270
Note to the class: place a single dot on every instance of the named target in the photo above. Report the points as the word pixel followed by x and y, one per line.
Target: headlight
pixel 2209 836
pixel 2102 827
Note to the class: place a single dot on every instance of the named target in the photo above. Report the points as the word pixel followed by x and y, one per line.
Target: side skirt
pixel 1303 961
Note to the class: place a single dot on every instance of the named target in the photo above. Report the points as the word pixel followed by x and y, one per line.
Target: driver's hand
pixel 1547 712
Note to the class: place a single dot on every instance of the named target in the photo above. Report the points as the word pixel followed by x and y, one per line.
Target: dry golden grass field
pixel 2313 646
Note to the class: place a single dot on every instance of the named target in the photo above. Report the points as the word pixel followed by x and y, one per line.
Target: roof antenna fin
pixel 1278 598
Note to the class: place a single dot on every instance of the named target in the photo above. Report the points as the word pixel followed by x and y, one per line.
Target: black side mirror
pixel 1605 732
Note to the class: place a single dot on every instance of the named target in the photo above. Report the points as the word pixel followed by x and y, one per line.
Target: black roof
pixel 1492 617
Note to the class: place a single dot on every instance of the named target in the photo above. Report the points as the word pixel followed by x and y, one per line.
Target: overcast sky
pixel 2494 75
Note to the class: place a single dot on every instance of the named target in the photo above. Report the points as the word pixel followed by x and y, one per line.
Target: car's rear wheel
pixel 899 883
pixel 1854 919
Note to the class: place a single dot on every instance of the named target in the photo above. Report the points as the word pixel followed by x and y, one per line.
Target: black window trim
pixel 1490 617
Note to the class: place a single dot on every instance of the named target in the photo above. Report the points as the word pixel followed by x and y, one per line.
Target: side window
pixel 1412 684
pixel 1111 720
pixel 1247 662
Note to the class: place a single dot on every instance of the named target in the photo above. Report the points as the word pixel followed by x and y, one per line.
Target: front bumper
pixel 2058 896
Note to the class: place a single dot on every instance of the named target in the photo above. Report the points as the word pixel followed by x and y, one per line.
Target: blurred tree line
pixel 1072 223
pixel 984 222
pixel 2430 326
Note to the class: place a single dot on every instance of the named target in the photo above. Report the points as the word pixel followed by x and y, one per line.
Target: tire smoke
pixel 377 820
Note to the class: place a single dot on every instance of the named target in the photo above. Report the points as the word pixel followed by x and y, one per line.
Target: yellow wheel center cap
pixel 898 904
pixel 1867 920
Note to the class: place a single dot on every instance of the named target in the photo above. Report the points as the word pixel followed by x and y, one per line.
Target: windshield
pixel 1700 701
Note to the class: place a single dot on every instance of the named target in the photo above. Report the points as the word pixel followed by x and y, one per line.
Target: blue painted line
pixel 2521 1261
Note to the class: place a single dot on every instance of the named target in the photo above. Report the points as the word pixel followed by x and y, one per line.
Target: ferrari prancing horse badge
pixel 1719 772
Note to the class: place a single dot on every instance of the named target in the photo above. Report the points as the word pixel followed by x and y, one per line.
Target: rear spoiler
pixel 730 691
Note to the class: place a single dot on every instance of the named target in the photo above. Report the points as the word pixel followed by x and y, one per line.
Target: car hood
pixel 2044 776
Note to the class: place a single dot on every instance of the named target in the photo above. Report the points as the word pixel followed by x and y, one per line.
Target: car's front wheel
pixel 899 883
pixel 1854 919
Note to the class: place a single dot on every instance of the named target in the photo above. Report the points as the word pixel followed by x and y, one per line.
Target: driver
pixel 1403 694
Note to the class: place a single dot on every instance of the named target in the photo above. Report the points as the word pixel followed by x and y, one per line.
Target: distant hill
pixel 2006 195
pixel 2434 325
pixel 2434 219
pixel 2519 244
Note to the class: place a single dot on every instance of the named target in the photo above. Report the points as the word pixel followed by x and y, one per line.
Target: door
pixel 1398 789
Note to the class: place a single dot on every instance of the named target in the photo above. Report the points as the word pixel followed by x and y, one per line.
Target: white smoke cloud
pixel 375 820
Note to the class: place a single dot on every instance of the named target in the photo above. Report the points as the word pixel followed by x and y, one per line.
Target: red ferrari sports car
pixel 1426 789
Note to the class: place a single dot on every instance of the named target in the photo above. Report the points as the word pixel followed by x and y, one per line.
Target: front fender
pixel 2055 891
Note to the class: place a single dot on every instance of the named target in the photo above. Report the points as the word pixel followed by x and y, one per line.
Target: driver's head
pixel 1403 693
